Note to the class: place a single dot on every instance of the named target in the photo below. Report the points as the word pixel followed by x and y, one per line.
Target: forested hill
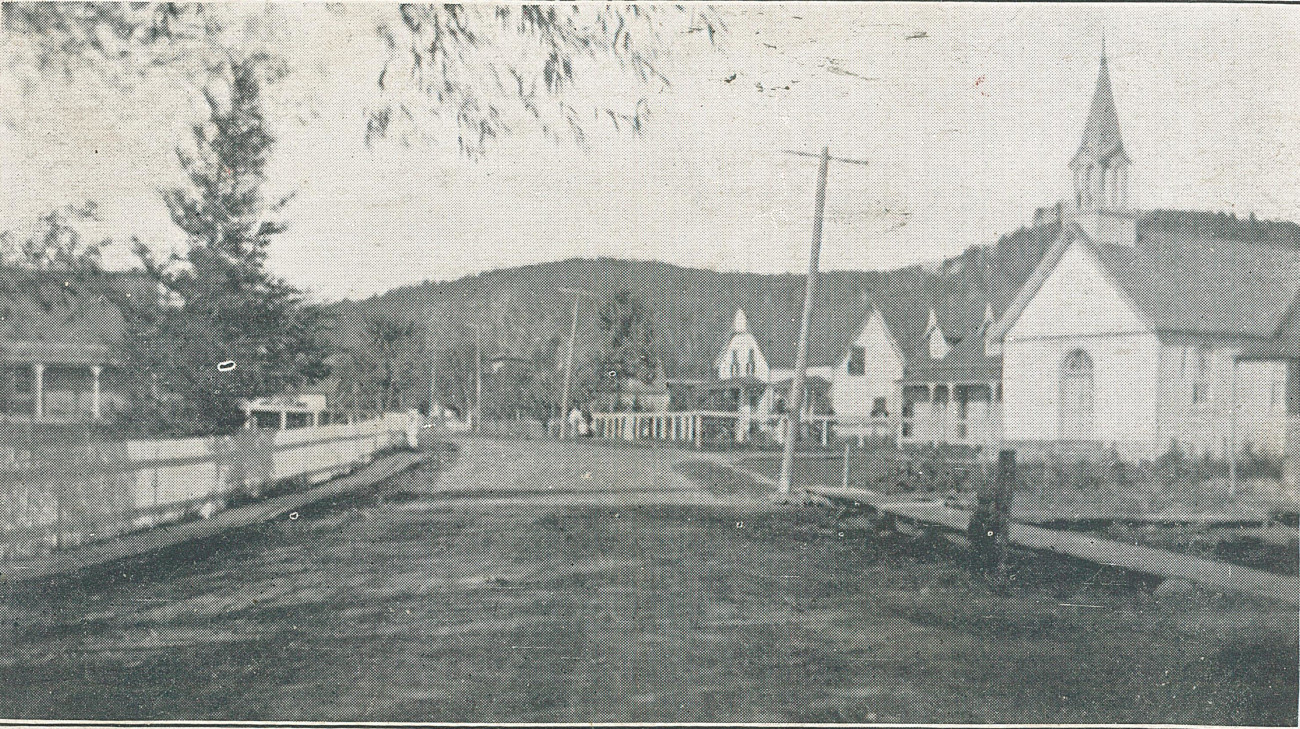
pixel 524 314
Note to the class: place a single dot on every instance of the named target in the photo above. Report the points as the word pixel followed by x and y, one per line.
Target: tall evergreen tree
pixel 224 328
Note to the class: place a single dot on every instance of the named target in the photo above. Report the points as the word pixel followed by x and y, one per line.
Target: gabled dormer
pixel 936 342
pixel 741 357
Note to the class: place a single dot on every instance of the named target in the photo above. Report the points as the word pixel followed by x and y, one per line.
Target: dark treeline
pixel 525 317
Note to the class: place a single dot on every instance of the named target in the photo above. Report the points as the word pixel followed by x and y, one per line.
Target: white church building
pixel 1140 342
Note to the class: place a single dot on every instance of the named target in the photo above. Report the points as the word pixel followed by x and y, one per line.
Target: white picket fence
pixel 55 495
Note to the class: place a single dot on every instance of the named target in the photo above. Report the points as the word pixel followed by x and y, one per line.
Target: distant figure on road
pixel 413 423
pixel 587 430
pixel 576 420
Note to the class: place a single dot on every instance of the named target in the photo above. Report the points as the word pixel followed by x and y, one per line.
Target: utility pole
pixel 435 408
pixel 478 376
pixel 794 411
pixel 568 359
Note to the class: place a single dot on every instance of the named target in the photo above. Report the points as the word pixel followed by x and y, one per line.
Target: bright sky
pixel 967 113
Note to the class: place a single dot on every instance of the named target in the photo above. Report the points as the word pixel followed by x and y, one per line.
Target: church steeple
pixel 1100 167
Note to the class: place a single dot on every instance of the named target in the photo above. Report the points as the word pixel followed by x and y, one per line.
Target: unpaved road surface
pixel 536 581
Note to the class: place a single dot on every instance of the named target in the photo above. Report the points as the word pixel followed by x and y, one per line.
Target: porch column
pixel 994 416
pixel 949 426
pixel 284 419
pixel 929 412
pixel 38 371
pixel 95 372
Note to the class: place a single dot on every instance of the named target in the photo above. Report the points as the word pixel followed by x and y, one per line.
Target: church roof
pixel 1101 135
pixel 1187 284
pixel 1206 285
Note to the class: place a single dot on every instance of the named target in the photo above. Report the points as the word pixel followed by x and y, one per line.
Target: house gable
pixel 856 396
pixel 739 351
pixel 1077 297
pixel 875 340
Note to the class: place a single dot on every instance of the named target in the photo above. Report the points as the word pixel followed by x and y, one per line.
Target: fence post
pixel 698 430
pixel 988 524
pixel 847 444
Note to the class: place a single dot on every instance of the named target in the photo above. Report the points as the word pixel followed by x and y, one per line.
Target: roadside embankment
pixel 146 540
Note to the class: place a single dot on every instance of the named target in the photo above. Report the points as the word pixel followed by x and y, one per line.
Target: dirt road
pixel 536 581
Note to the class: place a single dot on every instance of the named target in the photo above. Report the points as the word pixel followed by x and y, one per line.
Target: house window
pixel 750 367
pixel 857 361
pixel 735 363
pixel 1201 381
pixel 880 409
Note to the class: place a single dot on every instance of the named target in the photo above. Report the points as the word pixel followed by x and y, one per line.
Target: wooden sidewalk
pixel 167 535
pixel 1148 560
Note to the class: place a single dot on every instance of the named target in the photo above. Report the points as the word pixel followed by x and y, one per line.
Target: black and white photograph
pixel 864 363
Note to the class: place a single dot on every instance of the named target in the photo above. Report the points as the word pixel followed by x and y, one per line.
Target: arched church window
pixel 1076 397
pixel 1201 376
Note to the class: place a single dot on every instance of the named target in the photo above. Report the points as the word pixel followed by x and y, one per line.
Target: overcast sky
pixel 967 113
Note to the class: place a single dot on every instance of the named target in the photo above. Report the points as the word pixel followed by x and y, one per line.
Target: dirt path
pixel 536 581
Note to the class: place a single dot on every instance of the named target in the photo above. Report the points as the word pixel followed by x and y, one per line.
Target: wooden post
pixel 95 391
pixel 38 370
pixel 1232 437
pixel 847 443
pixel 988 525
pixel 568 370
pixel 478 378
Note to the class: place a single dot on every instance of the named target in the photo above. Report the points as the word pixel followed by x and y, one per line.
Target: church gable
pixel 1077 298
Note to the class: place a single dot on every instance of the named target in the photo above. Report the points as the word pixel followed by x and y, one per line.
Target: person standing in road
pixel 575 419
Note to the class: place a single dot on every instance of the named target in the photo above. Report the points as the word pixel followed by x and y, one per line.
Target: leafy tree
pixel 385 373
pixel 225 328
pixel 628 332
pixel 56 243
pixel 521 387
pixel 490 70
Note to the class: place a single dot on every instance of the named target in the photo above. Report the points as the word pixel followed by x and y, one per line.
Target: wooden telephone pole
pixel 794 410
pixel 478 376
pixel 568 358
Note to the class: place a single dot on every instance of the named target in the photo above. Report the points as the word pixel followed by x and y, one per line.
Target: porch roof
pixel 745 383
pixel 966 362
pixel 55 353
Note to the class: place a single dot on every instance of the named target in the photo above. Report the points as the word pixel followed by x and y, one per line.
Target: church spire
pixel 1100 167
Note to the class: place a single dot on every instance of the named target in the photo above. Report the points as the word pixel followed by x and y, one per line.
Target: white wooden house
pixel 757 390
pixel 919 377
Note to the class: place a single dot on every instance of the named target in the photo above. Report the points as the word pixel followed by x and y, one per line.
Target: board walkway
pixel 1147 560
